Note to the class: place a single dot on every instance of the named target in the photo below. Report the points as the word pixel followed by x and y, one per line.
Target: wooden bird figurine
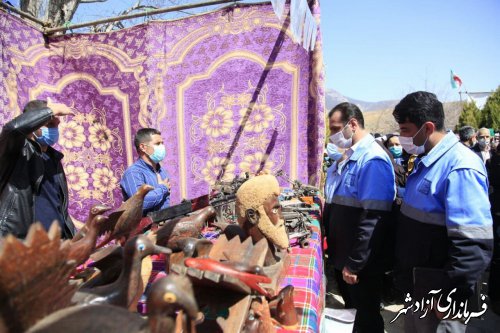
pixel 34 277
pixel 97 209
pixel 80 250
pixel 283 308
pixel 106 268
pixel 166 297
pixel 128 288
pixel 188 226
pixel 130 218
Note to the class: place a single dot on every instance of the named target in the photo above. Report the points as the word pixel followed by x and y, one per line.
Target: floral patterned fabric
pixel 229 90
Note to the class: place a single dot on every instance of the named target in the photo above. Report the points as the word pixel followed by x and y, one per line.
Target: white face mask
pixel 340 140
pixel 409 146
pixel 333 153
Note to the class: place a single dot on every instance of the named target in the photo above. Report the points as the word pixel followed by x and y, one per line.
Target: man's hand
pixel 349 278
pixel 59 109
pixel 165 182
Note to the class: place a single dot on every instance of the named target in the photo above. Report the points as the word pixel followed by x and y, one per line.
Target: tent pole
pixel 49 31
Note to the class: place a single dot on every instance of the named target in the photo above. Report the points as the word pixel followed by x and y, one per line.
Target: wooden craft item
pixel 128 288
pixel 188 226
pixel 106 268
pixel 95 210
pixel 283 308
pixel 250 280
pixel 166 296
pixel 34 277
pixel 189 248
pixel 80 250
pixel 130 218
pixel 259 317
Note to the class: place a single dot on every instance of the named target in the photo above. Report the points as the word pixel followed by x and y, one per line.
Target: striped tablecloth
pixel 306 275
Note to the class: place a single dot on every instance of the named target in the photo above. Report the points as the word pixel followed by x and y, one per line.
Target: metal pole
pixel 23 14
pixel 136 15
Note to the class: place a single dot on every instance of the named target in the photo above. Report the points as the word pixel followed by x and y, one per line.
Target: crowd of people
pixel 421 204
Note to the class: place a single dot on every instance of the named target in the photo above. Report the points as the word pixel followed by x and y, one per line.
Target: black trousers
pixel 494 280
pixel 365 297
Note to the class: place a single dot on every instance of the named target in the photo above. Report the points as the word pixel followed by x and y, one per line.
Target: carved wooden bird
pixel 106 268
pixel 80 250
pixel 95 210
pixel 128 288
pixel 166 297
pixel 188 226
pixel 283 308
pixel 131 216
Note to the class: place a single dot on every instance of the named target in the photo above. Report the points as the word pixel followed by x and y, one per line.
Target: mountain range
pixel 333 97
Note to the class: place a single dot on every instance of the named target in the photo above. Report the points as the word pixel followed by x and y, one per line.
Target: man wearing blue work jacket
pixel 361 189
pixel 444 236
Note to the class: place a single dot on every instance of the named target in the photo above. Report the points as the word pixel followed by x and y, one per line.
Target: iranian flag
pixel 456 82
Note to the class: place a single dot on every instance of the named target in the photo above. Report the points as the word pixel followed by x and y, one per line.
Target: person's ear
pixel 354 124
pixel 430 127
pixel 252 216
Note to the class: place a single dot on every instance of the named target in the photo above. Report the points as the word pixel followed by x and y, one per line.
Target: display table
pixel 305 273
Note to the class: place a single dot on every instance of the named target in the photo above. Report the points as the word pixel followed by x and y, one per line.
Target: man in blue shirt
pixel 147 170
pixel 444 236
pixel 360 187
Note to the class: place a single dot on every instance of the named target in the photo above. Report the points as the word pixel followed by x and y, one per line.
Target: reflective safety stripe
pixel 367 204
pixel 472 232
pixel 377 205
pixel 346 201
pixel 422 216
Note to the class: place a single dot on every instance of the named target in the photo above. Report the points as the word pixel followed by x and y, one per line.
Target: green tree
pixel 470 115
pixel 490 116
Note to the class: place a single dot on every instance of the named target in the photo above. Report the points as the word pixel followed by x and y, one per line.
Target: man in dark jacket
pixel 33 186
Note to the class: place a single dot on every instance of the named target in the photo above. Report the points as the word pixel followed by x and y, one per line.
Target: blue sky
pixel 378 50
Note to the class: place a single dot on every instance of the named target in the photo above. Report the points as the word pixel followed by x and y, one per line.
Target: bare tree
pixel 59 12
pixel 106 27
pixel 56 12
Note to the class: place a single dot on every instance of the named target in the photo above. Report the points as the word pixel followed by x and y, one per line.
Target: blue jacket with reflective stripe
pixel 362 193
pixel 445 219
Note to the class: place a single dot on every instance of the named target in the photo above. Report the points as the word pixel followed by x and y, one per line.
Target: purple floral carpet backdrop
pixel 228 88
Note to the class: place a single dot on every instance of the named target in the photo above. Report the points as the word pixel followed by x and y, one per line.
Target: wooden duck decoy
pixel 131 216
pixel 80 250
pixel 128 288
pixel 166 296
pixel 188 226
pixel 95 210
pixel 34 278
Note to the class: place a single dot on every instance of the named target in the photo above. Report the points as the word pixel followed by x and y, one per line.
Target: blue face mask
pixel 49 136
pixel 396 151
pixel 158 154
pixel 333 152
